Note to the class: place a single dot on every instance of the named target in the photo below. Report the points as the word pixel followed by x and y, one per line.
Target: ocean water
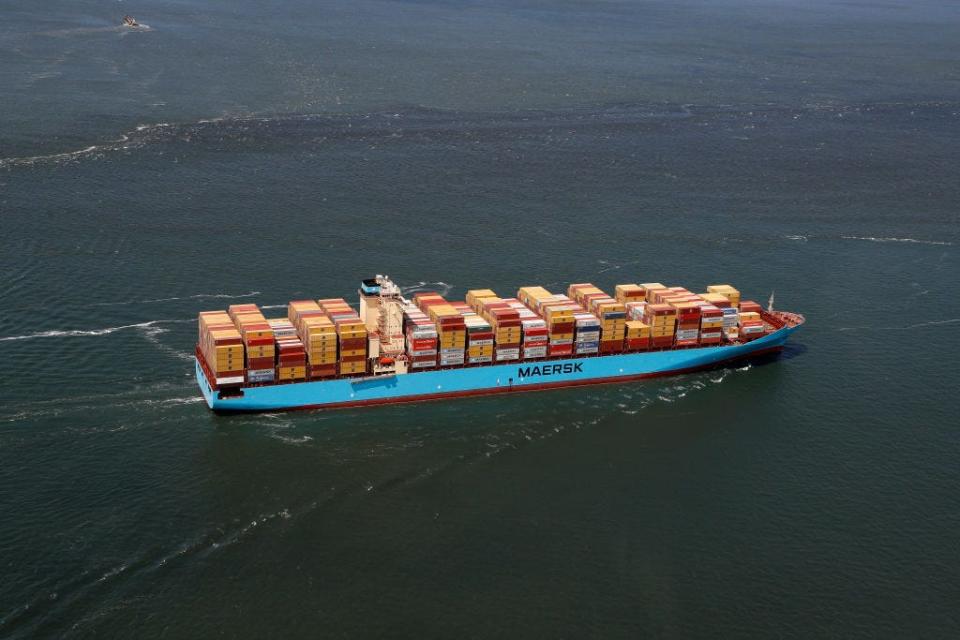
pixel 262 151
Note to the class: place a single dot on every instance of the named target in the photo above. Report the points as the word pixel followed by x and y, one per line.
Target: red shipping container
pixel 323 371
pixel 359 358
pixel 562 327
pixel 638 343
pixel 747 306
pixel 353 343
pixel 423 344
pixel 259 342
pixel 560 350
pixel 260 363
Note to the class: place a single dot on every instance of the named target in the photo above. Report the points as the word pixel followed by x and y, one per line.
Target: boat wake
pixel 137 138
pixel 198 296
pixel 907 240
pixel 440 287
pixel 918 325
pixel 72 333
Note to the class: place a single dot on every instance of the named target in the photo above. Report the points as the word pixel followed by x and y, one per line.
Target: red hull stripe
pixel 511 389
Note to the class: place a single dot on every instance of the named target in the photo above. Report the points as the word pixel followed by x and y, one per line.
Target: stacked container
pixel 558 312
pixel 654 291
pixel 351 336
pixel 475 298
pixel 318 335
pixel 726 291
pixel 421 337
pixel 627 293
pixel 751 326
pixel 750 306
pixel 711 325
pixel 587 335
pixel 479 334
pixel 282 328
pixel 731 324
pixel 257 341
pixel 638 335
pixel 534 333
pixel 291 355
pixel 750 321
pixel 611 313
pixel 507 328
pixel 613 319
pixel 451 327
pixel 635 310
pixel 662 319
pixel 688 322
pixel 221 347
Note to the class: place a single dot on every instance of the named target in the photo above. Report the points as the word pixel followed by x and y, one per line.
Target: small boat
pixel 130 21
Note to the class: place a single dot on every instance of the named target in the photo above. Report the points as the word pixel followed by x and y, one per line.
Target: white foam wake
pixel 125 141
pixel 443 287
pixel 198 296
pixel 911 240
pixel 71 333
pixel 931 323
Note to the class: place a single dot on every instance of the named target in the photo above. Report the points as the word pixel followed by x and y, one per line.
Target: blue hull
pixel 519 376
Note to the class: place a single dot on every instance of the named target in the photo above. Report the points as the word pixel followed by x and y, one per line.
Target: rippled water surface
pixel 259 152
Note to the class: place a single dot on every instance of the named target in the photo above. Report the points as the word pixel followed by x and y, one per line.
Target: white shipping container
pixel 751 329
pixel 420 364
pixel 423 352
pixel 535 352
pixel 451 351
pixel 584 350
pixel 479 359
pixel 480 343
pixel 260 375
pixel 561 342
pixel 588 336
pixel 508 354
pixel 710 334
pixel 687 334
pixel 230 380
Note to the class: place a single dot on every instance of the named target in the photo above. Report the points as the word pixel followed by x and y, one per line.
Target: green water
pixel 261 152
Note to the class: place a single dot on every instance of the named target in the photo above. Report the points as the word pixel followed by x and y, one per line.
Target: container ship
pixel 327 354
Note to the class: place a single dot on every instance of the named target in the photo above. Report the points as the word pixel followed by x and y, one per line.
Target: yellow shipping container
pixel 346 353
pixel 475 295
